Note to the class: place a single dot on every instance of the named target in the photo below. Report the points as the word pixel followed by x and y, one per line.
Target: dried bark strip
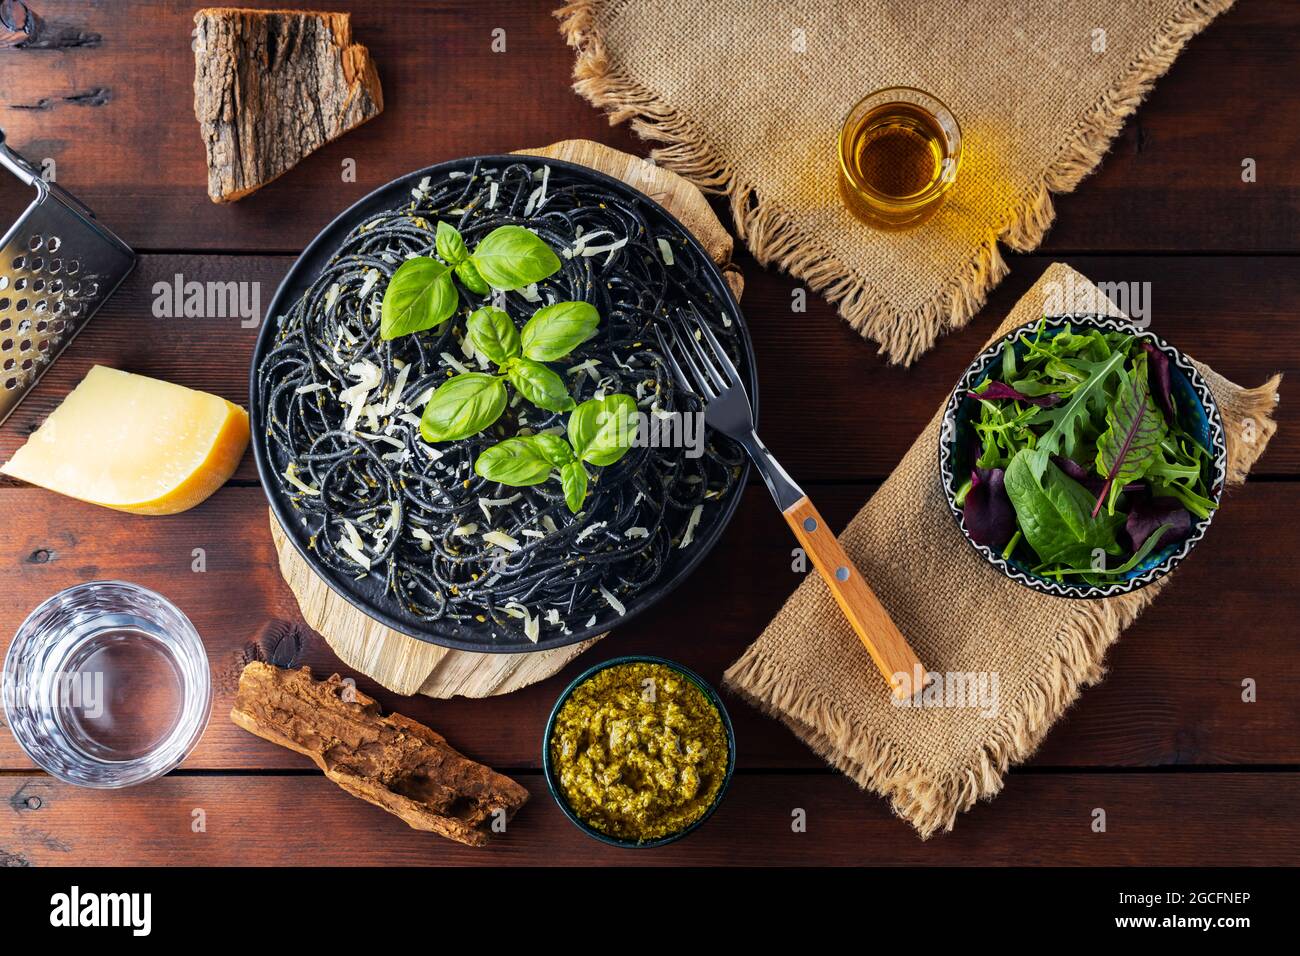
pixel 393 762
pixel 271 87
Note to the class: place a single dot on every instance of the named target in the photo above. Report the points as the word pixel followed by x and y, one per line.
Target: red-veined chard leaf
pixel 1134 427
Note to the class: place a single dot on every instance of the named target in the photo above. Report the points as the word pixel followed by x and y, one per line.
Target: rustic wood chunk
pixel 393 762
pixel 270 87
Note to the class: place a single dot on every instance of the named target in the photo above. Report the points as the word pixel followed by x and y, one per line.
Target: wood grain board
pixel 1187 771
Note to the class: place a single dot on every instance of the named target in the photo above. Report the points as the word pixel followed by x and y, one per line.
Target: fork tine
pixel 715 377
pixel 703 385
pixel 724 360
pixel 676 354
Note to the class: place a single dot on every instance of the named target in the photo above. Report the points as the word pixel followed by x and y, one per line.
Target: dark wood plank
pixel 1237 313
pixel 118 120
pixel 1173 696
pixel 1151 820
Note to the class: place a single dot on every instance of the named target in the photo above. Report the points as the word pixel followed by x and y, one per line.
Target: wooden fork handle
pixel 888 647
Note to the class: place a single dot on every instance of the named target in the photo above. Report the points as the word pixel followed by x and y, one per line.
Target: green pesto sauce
pixel 640 752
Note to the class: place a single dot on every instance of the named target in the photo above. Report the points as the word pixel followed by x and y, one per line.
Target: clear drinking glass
pixel 107 684
pixel 899 152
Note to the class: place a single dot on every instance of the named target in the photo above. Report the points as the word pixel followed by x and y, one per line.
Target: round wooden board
pixel 405 665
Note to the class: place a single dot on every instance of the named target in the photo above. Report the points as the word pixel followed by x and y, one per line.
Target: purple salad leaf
pixel 1161 386
pixel 995 390
pixel 1148 514
pixel 1086 478
pixel 990 520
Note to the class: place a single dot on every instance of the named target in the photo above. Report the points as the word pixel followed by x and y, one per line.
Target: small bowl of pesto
pixel 638 751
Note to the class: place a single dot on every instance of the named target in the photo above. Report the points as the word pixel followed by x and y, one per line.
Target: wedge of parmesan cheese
pixel 135 444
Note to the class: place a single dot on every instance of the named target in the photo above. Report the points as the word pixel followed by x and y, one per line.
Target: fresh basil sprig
pixel 552 333
pixel 601 431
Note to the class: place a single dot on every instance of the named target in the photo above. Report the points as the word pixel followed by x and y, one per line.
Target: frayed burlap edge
pixel 932 803
pixel 903 335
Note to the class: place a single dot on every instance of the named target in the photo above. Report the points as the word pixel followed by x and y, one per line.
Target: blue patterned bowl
pixel 1198 414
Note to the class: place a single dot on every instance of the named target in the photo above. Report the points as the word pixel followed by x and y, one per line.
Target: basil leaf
pixel 516 462
pixel 420 296
pixel 601 430
pixel 555 449
pixel 469 275
pixel 540 385
pixel 574 479
pixel 511 257
pixel 556 330
pixel 450 245
pixel 493 334
pixel 463 405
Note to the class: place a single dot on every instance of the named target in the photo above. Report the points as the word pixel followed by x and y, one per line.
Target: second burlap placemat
pixel 962 617
pixel 748 97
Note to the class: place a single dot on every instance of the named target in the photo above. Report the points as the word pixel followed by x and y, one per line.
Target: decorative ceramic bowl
pixel 1198 415
pixel 552 775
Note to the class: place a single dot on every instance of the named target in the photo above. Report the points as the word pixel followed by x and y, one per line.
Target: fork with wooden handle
pixel 715 379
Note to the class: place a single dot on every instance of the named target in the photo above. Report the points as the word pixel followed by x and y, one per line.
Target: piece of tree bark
pixel 270 87
pixel 393 761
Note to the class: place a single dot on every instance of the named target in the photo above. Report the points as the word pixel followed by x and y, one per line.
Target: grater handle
pixel 19 166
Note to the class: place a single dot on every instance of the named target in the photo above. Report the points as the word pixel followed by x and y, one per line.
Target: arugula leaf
pixel 601 430
pixel 539 384
pixel 573 477
pixel 517 462
pixel 1138 556
pixel 1069 418
pixel 463 405
pixel 420 296
pixel 493 334
pixel 1053 512
pixel 1130 443
pixel 511 257
pixel 556 330
pixel 450 245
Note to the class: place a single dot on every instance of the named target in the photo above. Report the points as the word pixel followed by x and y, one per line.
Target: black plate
pixel 366 594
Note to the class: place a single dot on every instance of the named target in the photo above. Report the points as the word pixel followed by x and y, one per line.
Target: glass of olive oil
pixel 899 151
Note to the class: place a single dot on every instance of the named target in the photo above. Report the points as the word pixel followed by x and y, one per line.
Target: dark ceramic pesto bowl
pixel 552 773
pixel 1198 414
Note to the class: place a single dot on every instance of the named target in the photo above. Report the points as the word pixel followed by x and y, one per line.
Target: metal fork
pixel 715 379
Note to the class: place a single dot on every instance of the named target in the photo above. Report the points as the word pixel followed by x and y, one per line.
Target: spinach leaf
pixel 1130 443
pixel 1054 513
pixel 420 296
pixel 493 335
pixel 539 384
pixel 517 462
pixel 511 257
pixel 601 430
pixel 556 330
pixel 463 405
pixel 573 477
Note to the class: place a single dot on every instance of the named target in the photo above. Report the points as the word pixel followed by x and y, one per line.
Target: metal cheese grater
pixel 57 266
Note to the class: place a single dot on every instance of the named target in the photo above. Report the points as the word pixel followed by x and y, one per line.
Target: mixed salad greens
pixel 1081 466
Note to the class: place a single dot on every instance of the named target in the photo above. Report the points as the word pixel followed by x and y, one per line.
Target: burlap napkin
pixel 962 617
pixel 749 96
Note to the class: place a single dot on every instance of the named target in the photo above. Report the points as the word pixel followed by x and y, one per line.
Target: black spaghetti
pixel 376 501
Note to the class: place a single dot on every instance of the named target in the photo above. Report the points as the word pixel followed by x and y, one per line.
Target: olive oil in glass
pixel 899 151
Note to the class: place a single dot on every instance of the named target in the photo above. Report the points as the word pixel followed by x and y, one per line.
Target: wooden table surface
pixel 1186 771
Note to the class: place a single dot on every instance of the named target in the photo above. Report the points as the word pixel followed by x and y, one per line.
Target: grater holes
pixel 4 282
pixel 11 383
pixel 38 285
pixel 9 364
pixel 25 346
pixel 20 305
pixel 35 264
pixel 4 303
pixel 19 262
pixel 5 323
pixel 7 345
pixel 20 284
pixel 35 243
pixel 41 306
pixel 73 267
pixel 56 265
pixel 74 309
pixel 24 326
pixel 42 325
pixel 53 243
pixel 56 286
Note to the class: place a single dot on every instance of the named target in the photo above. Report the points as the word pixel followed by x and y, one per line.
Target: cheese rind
pixel 135 444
